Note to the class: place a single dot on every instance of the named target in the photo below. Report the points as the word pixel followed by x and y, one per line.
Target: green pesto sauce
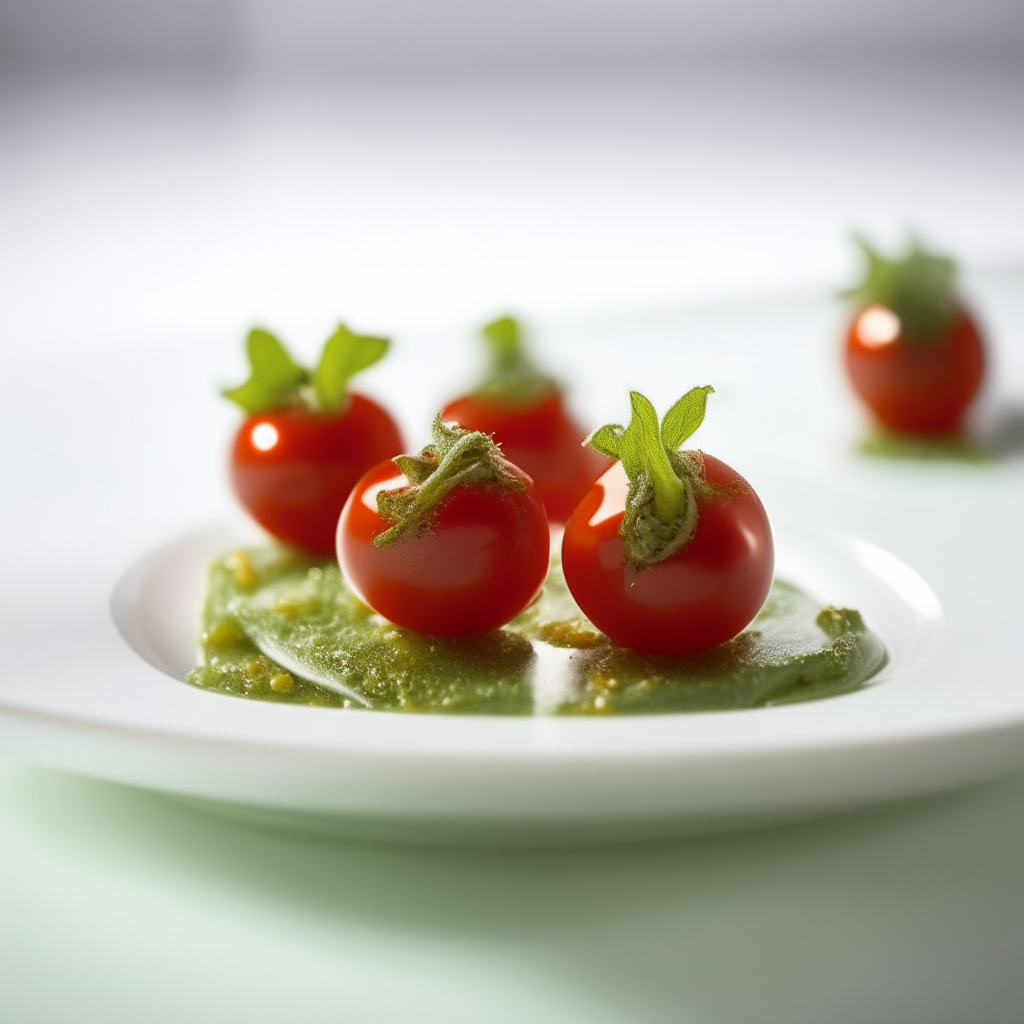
pixel 922 447
pixel 279 626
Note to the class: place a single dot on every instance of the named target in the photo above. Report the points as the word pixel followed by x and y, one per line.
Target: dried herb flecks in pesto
pixel 279 626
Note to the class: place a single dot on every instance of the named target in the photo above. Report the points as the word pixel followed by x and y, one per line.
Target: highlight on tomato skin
pixel 307 438
pixel 909 388
pixel 465 559
pixel 913 353
pixel 524 410
pixel 292 470
pixel 671 551
pixel 698 597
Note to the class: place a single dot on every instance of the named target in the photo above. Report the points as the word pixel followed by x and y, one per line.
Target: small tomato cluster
pixel 666 551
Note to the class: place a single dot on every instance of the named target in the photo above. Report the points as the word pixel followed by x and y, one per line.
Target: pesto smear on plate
pixel 280 626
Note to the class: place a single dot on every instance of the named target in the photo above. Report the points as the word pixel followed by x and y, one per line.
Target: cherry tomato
pixel 918 388
pixel 293 469
pixel 482 561
pixel 700 596
pixel 542 439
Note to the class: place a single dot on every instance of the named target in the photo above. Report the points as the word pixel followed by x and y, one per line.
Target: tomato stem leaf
pixel 661 507
pixel 643 455
pixel 513 378
pixel 919 289
pixel 344 355
pixel 277 381
pixel 274 376
pixel 685 417
pixel 607 440
pixel 457 457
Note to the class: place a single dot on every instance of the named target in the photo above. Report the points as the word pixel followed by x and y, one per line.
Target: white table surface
pixel 144 229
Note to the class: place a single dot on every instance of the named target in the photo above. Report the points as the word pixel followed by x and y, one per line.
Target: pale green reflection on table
pixel 120 905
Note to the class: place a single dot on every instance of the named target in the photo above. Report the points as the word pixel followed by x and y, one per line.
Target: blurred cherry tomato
pixel 293 469
pixel 541 438
pixel 914 387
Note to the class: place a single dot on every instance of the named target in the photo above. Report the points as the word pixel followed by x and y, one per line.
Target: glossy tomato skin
pixel 542 439
pixel 700 596
pixel 916 388
pixel 292 470
pixel 481 564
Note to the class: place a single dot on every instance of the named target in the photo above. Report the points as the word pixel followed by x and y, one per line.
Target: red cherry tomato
pixel 914 388
pixel 293 470
pixel 700 596
pixel 481 563
pixel 540 438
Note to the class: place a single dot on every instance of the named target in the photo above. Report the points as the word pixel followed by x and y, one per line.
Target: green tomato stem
pixel 446 475
pixel 669 490
pixel 457 457
pixel 513 378
pixel 661 505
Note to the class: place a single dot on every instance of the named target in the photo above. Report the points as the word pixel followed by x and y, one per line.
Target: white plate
pixel 121 464
pixel 525 778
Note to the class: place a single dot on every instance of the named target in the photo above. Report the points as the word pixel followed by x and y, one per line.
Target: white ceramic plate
pixel 524 779
pixel 78 693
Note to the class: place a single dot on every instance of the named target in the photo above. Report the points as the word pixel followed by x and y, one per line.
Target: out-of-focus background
pixel 171 172
pixel 186 167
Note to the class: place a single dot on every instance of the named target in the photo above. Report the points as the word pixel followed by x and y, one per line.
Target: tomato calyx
pixel 457 457
pixel 917 289
pixel 664 484
pixel 276 381
pixel 513 378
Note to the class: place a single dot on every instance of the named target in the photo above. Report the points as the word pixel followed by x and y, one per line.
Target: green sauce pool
pixel 279 626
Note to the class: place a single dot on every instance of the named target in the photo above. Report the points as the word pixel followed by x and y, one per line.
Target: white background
pixel 170 173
